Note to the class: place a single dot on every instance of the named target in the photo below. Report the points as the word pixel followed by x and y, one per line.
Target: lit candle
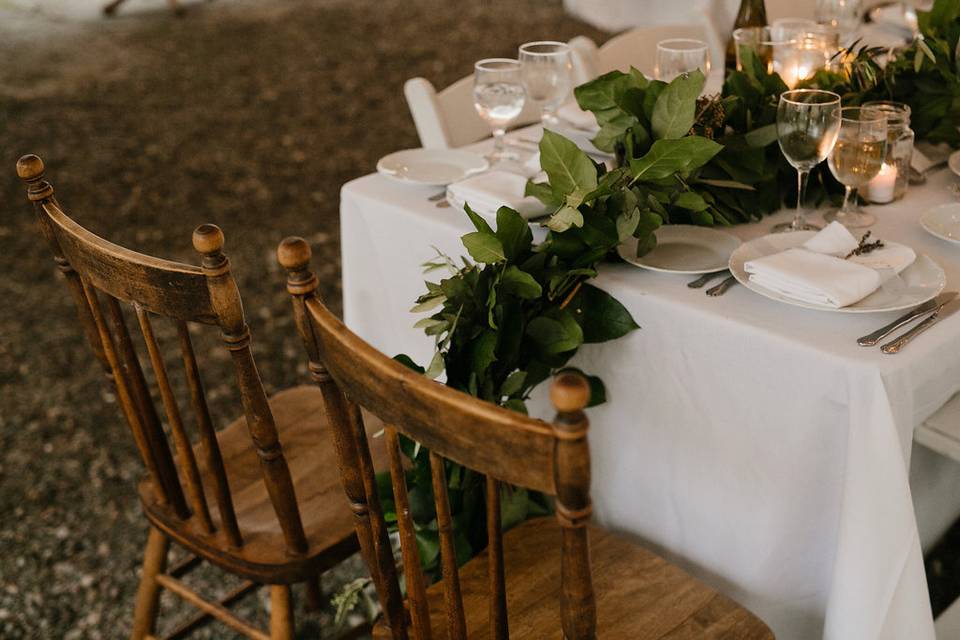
pixel 881 188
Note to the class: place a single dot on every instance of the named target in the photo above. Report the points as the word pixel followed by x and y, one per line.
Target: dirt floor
pixel 247 114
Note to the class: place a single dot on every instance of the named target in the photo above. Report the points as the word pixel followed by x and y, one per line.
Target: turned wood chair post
pixel 225 299
pixel 31 170
pixel 114 358
pixel 294 254
pixel 570 395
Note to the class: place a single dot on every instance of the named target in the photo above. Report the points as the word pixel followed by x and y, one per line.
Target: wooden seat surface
pixel 640 596
pixel 327 520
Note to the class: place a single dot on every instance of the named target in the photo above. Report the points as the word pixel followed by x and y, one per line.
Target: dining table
pixel 752 442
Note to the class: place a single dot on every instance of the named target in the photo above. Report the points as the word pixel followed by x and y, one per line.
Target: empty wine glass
pixel 843 15
pixel 547 71
pixel 498 97
pixel 856 160
pixel 680 55
pixel 808 121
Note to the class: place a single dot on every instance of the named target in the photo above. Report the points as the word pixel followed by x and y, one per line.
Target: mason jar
pixel 891 183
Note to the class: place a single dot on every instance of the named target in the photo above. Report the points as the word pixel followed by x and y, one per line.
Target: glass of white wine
pixel 547 76
pixel 808 121
pixel 856 160
pixel 498 97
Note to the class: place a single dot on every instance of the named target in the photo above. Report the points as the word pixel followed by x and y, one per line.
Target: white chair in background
pixel 637 48
pixel 447 119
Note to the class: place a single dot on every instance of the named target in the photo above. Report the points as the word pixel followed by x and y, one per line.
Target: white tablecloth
pixel 752 442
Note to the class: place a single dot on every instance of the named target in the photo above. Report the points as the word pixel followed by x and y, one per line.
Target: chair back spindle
pixel 103 278
pixel 506 447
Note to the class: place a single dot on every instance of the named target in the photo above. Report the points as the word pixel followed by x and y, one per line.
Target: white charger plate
pixel 685 249
pixel 431 167
pixel 924 278
pixel 954 162
pixel 943 221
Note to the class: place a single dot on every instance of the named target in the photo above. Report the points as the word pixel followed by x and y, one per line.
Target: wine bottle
pixel 752 13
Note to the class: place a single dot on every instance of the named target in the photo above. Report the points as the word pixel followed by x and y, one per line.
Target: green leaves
pixel 555 335
pixel 667 157
pixel 566 165
pixel 514 233
pixel 601 316
pixel 676 107
pixel 484 247
pixel 565 218
pixel 520 284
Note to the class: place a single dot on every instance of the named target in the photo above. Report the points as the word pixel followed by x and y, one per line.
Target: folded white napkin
pixel 487 192
pixel 818 273
pixel 571 113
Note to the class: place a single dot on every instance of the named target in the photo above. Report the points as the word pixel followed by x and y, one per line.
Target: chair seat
pixel 327 519
pixel 639 595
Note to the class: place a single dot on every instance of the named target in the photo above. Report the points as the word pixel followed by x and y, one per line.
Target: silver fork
pixel 705 278
pixel 721 288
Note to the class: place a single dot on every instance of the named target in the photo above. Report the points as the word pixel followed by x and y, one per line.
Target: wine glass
pixel 808 121
pixel 680 55
pixel 856 160
pixel 498 97
pixel 547 71
pixel 842 15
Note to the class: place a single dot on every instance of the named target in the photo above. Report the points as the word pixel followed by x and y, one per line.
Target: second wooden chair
pixel 563 573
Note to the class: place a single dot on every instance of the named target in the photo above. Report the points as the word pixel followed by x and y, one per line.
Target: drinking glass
pixel 856 159
pixel 547 71
pixel 808 121
pixel 842 15
pixel 680 55
pixel 498 97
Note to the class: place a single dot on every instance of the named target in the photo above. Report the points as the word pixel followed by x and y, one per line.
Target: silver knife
pixel 930 305
pixel 938 314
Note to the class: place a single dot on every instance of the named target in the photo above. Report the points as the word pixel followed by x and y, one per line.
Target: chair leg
pixel 314 594
pixel 148 593
pixel 281 612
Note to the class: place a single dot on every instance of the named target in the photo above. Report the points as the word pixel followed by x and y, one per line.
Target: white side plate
pixel 943 221
pixel 923 280
pixel 684 248
pixel 431 167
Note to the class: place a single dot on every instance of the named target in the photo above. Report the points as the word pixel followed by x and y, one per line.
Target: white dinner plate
pixel 924 279
pixel 954 162
pixel 683 248
pixel 431 167
pixel 943 221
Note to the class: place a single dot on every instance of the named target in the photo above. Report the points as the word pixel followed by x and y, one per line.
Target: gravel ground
pixel 247 114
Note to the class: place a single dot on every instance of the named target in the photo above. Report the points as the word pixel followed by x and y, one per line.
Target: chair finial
pixel 293 254
pixel 30 169
pixel 569 392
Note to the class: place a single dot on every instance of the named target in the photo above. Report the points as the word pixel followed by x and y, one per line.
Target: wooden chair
pixel 447 119
pixel 278 516
pixel 564 574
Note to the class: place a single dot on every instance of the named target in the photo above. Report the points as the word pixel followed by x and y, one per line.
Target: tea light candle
pixel 880 189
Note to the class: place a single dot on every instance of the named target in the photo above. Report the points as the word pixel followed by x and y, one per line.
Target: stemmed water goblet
pixel 498 97
pixel 856 160
pixel 680 55
pixel 547 71
pixel 808 121
pixel 842 15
